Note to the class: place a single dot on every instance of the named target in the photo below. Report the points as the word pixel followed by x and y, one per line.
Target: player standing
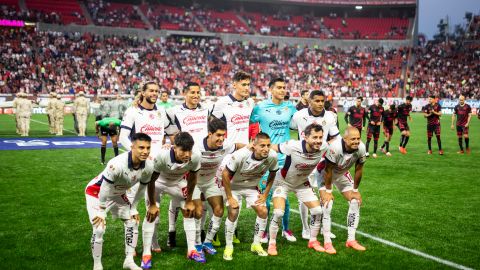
pixel 403 112
pixel 340 157
pixel 240 179
pixel 375 112
pixel 107 193
pixel 432 112
pixel 356 116
pixel 463 115
pixel 274 116
pixel 389 120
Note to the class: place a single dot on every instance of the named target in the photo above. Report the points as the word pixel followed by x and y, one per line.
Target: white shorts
pixel 119 206
pixel 209 190
pixel 343 182
pixel 177 192
pixel 304 193
pixel 250 195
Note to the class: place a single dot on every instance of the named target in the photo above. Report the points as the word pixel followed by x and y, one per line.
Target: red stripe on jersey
pixel 93 190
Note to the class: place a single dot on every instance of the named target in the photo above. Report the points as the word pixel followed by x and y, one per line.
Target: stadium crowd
pixel 11 13
pixel 116 15
pixel 67 63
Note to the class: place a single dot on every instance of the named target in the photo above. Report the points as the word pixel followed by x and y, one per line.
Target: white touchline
pixel 395 245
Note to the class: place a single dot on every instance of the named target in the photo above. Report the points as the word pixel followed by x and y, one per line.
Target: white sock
pixel 304 216
pixel 198 225
pixel 353 217
pixel 189 227
pixel 131 237
pixel 213 228
pixel 148 233
pixel 239 210
pixel 273 229
pixel 172 215
pixel 229 231
pixel 315 222
pixel 260 225
pixel 327 222
pixel 97 243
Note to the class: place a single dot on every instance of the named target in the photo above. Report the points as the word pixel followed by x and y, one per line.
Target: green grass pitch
pixel 426 203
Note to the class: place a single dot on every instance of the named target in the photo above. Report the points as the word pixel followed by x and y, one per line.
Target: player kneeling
pixel 340 157
pixel 240 179
pixel 106 193
pixel 301 159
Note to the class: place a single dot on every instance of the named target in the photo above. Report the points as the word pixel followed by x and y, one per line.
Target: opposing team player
pixel 340 157
pixel 240 179
pixel 403 113
pixel 302 158
pixel 170 166
pixel 274 116
pixel 375 112
pixel 107 193
pixel 432 111
pixel 189 117
pixel 104 128
pixel 235 110
pixel 463 115
pixel 314 114
pixel 356 115
pixel 389 120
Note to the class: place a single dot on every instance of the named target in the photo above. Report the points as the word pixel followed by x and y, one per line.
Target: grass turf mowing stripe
pixel 395 245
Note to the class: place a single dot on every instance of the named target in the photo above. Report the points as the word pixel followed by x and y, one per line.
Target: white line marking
pixel 395 245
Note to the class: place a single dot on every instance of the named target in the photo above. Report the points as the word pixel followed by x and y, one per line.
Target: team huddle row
pixel 212 159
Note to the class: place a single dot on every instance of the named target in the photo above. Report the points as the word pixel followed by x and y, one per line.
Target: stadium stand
pixel 69 11
pixel 114 14
pixel 170 18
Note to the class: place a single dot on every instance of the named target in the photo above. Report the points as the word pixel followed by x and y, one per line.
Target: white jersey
pixel 172 172
pixel 299 164
pixel 151 122
pixel 121 174
pixel 343 160
pixel 195 122
pixel 237 116
pixel 211 160
pixel 247 171
pixel 328 120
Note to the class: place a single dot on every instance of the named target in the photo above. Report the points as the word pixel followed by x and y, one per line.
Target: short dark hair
pixel 327 105
pixel 261 135
pixel 361 98
pixel 409 98
pixel 215 124
pixel 392 107
pixel 316 93
pixel 432 96
pixel 184 140
pixel 303 92
pixel 144 87
pixel 140 137
pixel 312 127
pixel 274 80
pixel 165 92
pixel 241 75
pixel 190 84
pixel 380 100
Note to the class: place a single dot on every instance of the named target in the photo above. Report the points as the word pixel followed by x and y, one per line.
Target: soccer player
pixel 463 115
pixel 356 116
pixel 145 118
pixel 213 151
pixel 432 111
pixel 240 179
pixel 235 110
pixel 403 112
pixel 107 193
pixel 315 113
pixel 164 102
pixel 81 108
pixel 389 120
pixel 340 157
pixel 170 167
pixel 189 117
pixel 303 156
pixel 274 116
pixel 303 102
pixel 104 128
pixel 375 120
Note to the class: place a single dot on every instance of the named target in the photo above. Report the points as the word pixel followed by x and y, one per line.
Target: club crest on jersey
pixel 151 116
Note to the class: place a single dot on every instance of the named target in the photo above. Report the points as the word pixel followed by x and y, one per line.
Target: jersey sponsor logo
pixel 277 124
pixel 195 119
pixel 240 119
pixel 304 166
pixel 151 130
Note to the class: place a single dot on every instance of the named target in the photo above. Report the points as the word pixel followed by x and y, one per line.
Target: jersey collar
pixel 233 98
pixel 253 157
pixel 304 146
pixel 143 108
pixel 344 148
pixel 130 162
pixel 199 106
pixel 208 148
pixel 322 113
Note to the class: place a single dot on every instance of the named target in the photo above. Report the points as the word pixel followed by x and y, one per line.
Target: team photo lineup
pixel 233 140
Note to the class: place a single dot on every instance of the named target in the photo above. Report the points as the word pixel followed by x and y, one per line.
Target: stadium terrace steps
pixel 66 10
pixel 144 18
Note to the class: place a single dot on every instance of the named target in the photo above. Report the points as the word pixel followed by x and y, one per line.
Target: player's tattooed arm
pixel 356 182
pixel 226 176
pixel 191 182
